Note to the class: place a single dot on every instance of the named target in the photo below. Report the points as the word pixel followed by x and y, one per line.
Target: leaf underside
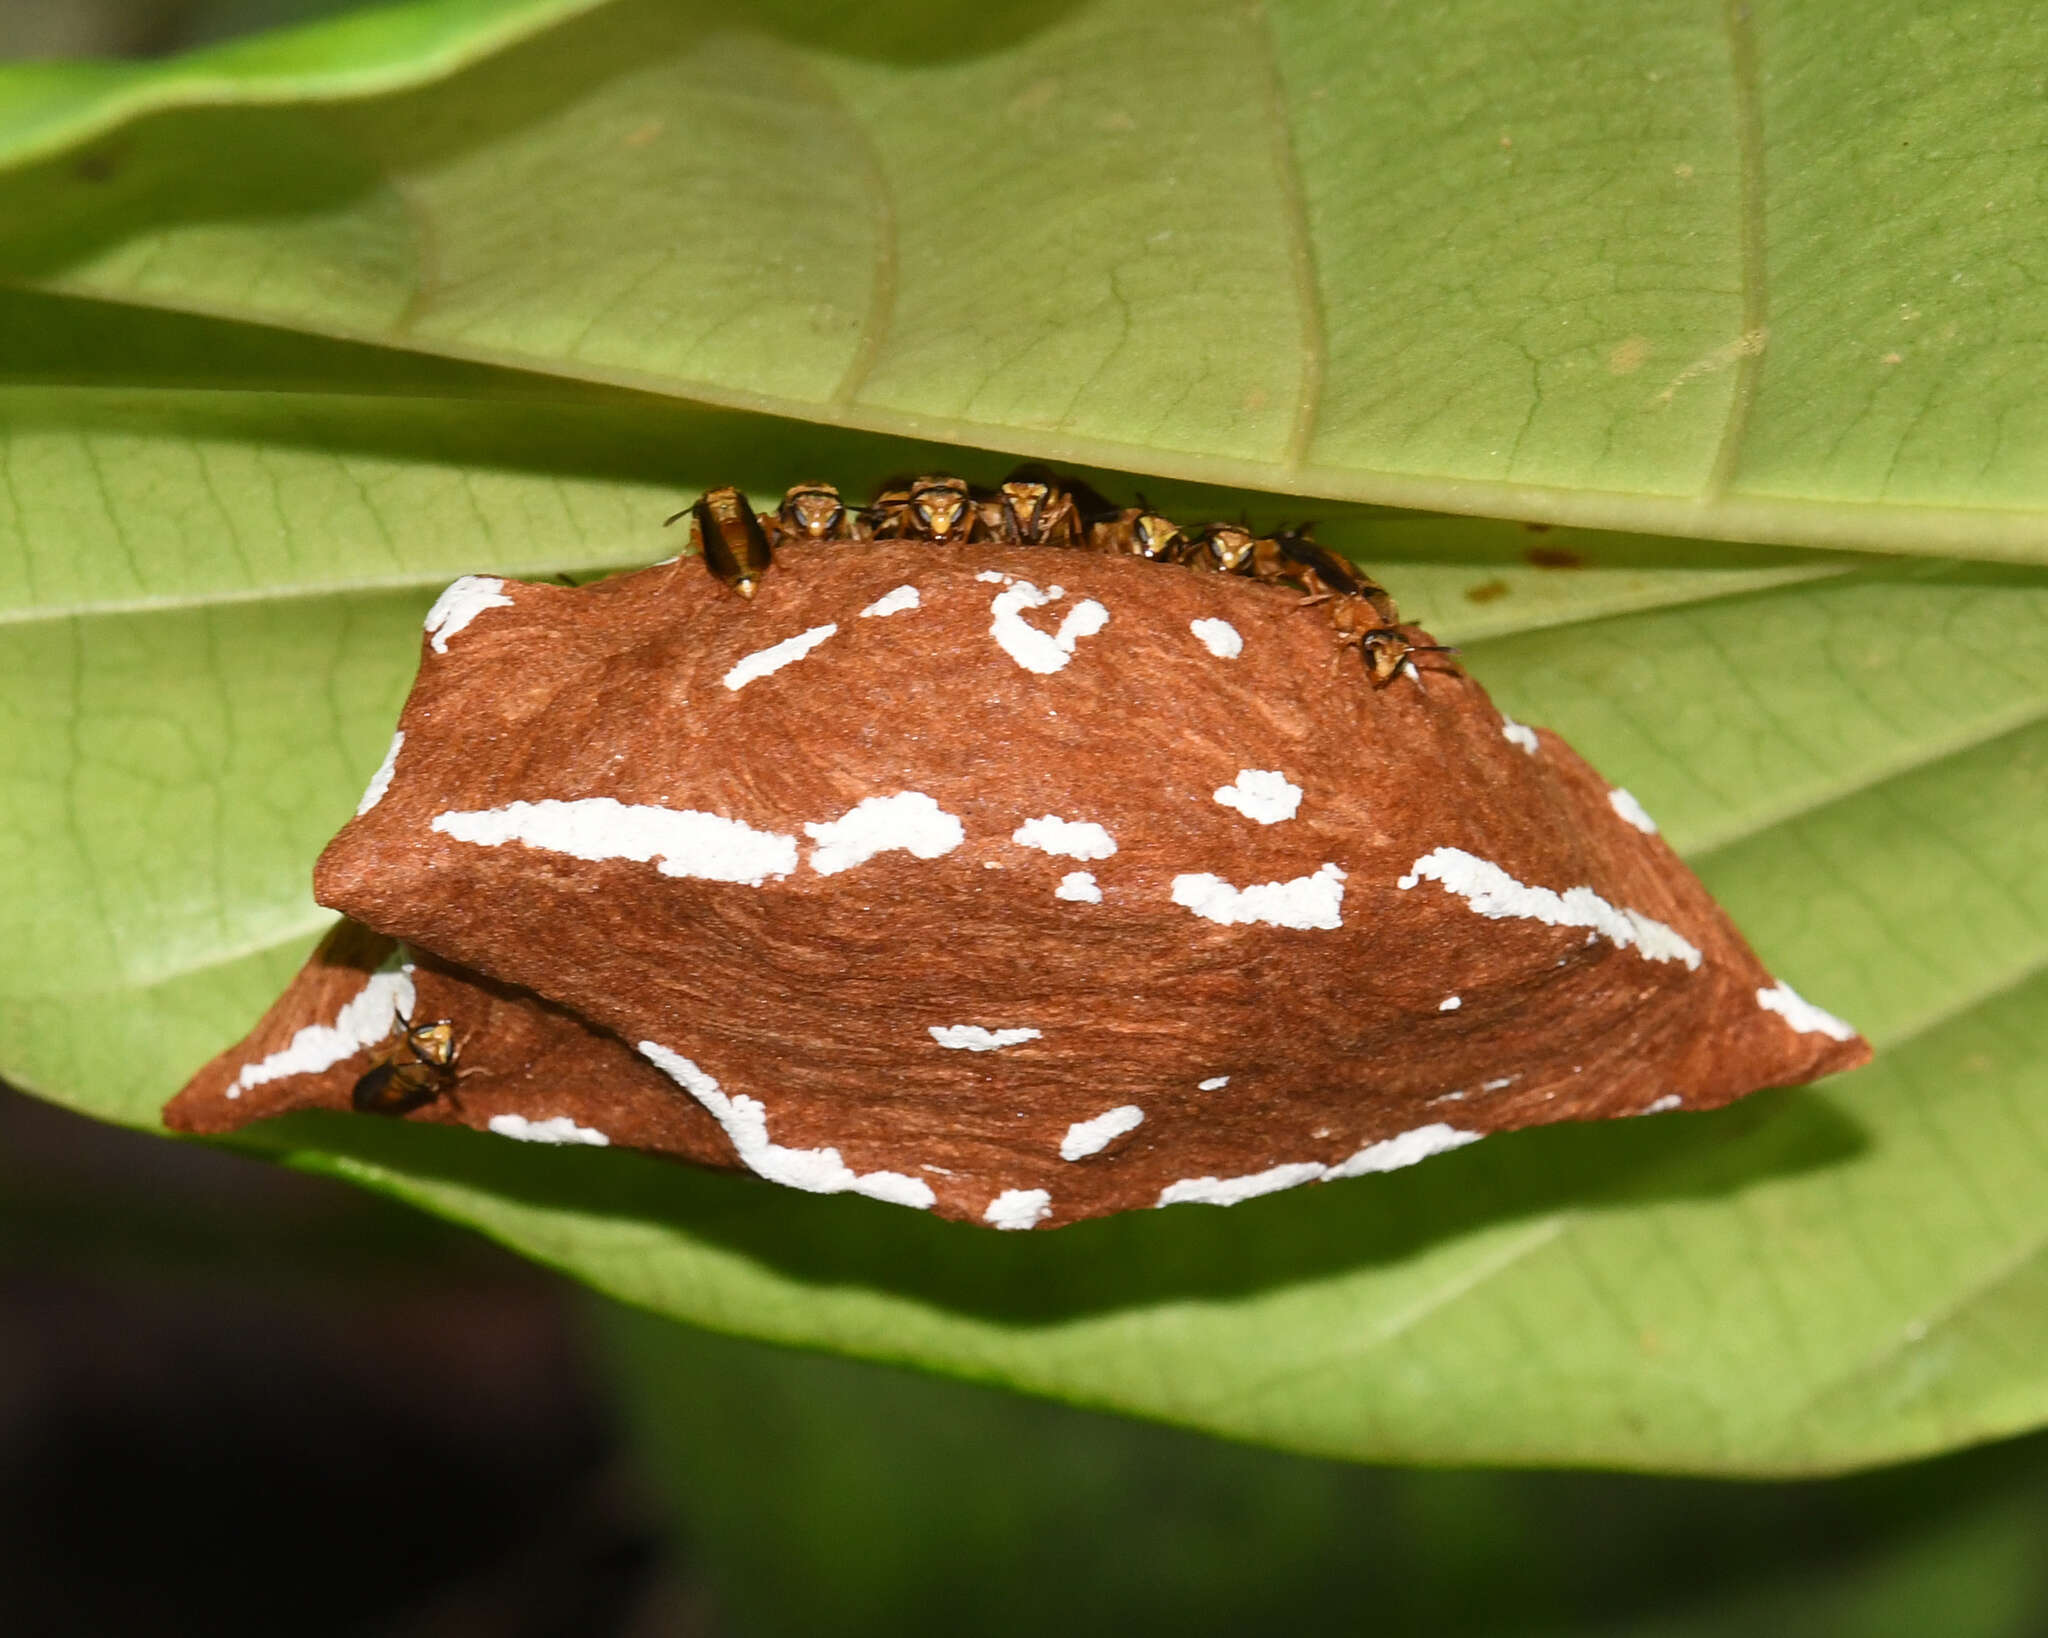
pixel 300 329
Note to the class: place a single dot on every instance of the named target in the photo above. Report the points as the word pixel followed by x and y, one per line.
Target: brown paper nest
pixel 1020 885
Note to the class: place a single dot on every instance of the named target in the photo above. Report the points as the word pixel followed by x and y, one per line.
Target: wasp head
pixel 1227 547
pixel 1156 537
pixel 942 508
pixel 813 511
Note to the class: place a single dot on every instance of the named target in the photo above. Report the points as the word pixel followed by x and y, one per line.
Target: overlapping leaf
pixel 1551 263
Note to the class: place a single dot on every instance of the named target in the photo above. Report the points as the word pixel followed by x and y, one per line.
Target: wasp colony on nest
pixel 1036 507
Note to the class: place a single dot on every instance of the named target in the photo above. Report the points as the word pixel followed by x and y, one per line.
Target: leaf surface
pixel 473 315
pixel 1755 272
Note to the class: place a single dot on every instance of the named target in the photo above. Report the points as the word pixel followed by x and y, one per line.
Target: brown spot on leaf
pixel 1629 357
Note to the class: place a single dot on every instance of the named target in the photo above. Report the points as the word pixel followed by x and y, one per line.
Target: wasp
pixel 1031 512
pixel 943 509
pixel 1294 557
pixel 413 1067
pixel 1384 648
pixel 937 508
pixel 1223 548
pixel 814 511
pixel 1035 506
pixel 1138 531
pixel 1360 607
pixel 730 538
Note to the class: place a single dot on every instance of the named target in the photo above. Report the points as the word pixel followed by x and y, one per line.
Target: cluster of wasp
pixel 1036 507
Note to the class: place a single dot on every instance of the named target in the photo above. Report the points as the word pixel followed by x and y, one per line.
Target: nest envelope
pixel 1016 884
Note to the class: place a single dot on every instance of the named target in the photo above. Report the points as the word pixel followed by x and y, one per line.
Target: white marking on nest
pixel 1065 838
pixel 364 1021
pixel 1631 810
pixel 380 781
pixel 1663 1105
pixel 704 846
pixel 1515 734
pixel 766 660
pixel 1450 1003
pixel 461 603
pixel 1035 650
pixel 815 1171
pixel 1079 887
pixel 1091 1137
pixel 1215 1083
pixel 1305 902
pixel 1493 893
pixel 1228 1191
pixel 1802 1014
pixel 973 1038
pixel 895 602
pixel 1262 794
pixel 1386 1156
pixel 1018 1209
pixel 1219 637
pixel 559 1129
pixel 908 822
pixel 1391 1154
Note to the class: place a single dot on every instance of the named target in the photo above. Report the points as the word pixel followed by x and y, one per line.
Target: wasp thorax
pixel 941 509
pixel 813 511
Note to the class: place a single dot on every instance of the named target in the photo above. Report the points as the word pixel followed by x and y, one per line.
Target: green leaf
pixel 1758 272
pixel 511 316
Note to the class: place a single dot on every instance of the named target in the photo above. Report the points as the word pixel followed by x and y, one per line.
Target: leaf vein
pixel 1301 255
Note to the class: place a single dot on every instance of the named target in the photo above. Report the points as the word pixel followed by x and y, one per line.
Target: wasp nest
pixel 1012 884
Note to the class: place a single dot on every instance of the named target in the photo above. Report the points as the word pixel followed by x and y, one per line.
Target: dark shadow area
pixel 280 388
pixel 234 1400
pixel 1134 1259
pixel 52 339
pixel 861 1499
